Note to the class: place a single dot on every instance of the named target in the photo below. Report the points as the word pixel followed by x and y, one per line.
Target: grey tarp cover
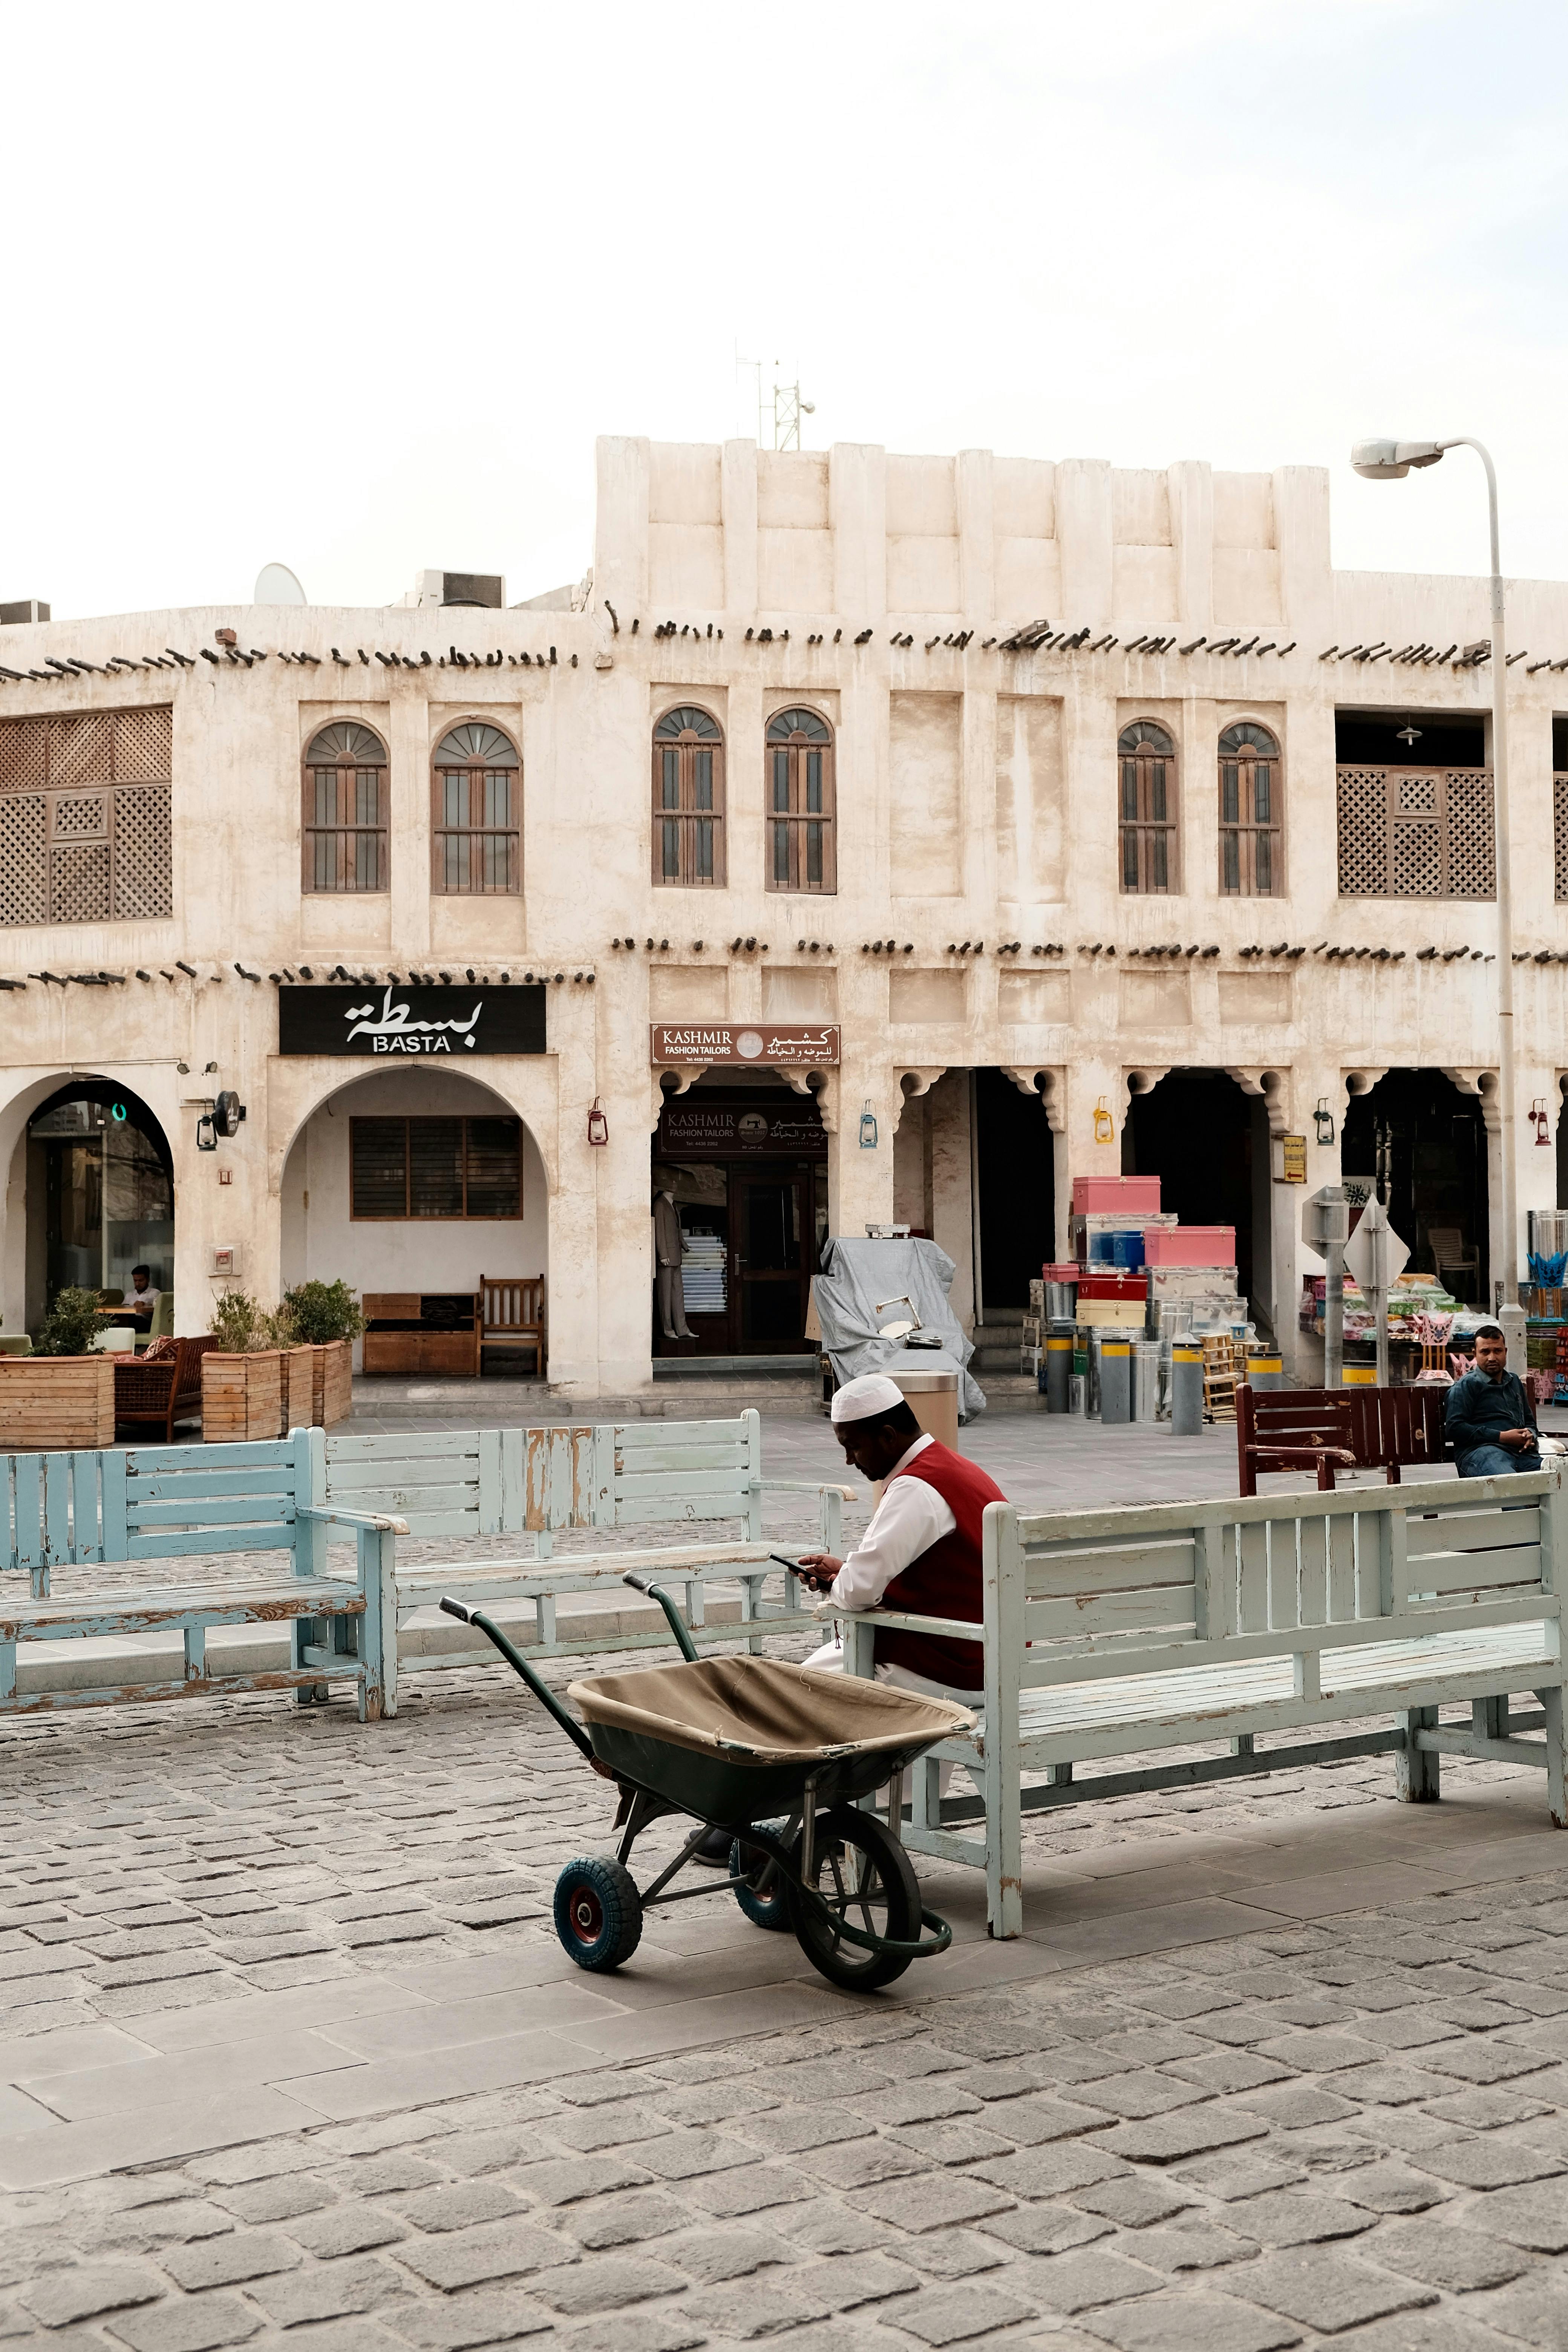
pixel 857 1277
pixel 766 1710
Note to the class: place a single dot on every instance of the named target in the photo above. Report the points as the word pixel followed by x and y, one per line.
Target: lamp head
pixel 1390 461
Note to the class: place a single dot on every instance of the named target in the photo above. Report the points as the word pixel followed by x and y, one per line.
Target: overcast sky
pixel 355 288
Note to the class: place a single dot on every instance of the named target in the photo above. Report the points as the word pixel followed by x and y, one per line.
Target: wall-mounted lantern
pixel 1104 1125
pixel 867 1129
pixel 1541 1123
pixel 1323 1120
pixel 598 1125
pixel 207 1133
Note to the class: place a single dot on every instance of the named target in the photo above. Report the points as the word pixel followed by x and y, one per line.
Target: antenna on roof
pixel 275 585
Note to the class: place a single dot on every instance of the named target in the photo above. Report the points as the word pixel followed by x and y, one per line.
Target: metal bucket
pixel 1146 1381
pixel 1548 1230
pixel 1061 1301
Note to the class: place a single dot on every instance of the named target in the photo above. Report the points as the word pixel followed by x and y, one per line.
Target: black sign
pixel 689 1128
pixel 385 1018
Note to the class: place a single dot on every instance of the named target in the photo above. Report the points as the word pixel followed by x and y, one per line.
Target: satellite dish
pixel 275 585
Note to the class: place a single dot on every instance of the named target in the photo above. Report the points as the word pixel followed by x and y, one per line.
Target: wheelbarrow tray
pixel 735 1740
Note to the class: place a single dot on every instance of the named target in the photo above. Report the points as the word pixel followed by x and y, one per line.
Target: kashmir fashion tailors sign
pixel 380 1018
pixel 762 1044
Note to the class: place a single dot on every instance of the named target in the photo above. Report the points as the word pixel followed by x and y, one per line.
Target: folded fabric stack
pixel 702 1272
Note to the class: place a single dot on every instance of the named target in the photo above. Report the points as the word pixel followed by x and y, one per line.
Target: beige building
pixel 982 823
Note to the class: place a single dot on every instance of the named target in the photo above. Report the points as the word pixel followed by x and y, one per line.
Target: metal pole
pixel 1512 1316
pixel 1334 1314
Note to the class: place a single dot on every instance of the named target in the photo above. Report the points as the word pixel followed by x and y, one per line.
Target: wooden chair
pixel 155 1393
pixel 511 1314
pixel 1328 1429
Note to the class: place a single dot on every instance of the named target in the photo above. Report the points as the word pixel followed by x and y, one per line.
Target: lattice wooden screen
pixel 1416 832
pixel 1560 831
pixel 84 817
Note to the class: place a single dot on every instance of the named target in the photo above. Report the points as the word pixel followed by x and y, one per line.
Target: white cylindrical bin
pixel 1078 1394
pixel 1146 1378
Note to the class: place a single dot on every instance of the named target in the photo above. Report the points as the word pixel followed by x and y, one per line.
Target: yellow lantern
pixel 1104 1125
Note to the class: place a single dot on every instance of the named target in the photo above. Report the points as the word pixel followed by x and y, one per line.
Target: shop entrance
pixel 748 1176
pixel 101 1172
pixel 1015 1152
pixel 1195 1130
pixel 1424 1145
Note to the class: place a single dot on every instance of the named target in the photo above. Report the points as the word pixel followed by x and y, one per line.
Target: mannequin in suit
pixel 667 1267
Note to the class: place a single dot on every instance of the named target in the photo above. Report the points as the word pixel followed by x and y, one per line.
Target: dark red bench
pixel 1325 1429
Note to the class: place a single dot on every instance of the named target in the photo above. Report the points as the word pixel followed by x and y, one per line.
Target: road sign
pixel 1375 1255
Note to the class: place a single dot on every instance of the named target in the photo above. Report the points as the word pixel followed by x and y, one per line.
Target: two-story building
pixel 869 838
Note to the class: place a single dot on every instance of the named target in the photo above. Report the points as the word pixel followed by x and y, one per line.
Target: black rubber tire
pixel 866 1874
pixel 771 1909
pixel 598 1914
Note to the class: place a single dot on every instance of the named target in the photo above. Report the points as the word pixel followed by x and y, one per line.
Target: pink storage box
pixel 1190 1245
pixel 1134 1195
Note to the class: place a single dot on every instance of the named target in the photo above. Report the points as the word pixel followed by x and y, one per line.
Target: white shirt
pixel 911 1518
pixel 148 1298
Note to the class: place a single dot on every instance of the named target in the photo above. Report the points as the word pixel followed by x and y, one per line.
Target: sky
pixel 354 290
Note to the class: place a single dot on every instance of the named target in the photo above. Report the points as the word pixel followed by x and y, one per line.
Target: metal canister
pixel 1187 1389
pixel 1077 1396
pixel 1146 1380
pixel 1115 1381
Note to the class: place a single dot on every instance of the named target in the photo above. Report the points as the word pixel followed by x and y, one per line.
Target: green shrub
pixel 320 1312
pixel 72 1324
pixel 239 1324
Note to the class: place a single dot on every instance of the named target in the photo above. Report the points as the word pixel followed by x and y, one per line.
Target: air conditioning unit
pixel 29 609
pixel 226 1261
pixel 485 589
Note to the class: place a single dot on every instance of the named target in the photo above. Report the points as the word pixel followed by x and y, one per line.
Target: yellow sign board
pixel 1293 1159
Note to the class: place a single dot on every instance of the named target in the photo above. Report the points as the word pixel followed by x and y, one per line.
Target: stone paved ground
pixel 293 2057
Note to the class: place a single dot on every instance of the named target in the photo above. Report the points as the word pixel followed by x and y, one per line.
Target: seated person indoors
pixel 1488 1416
pixel 138 1298
pixel 921 1552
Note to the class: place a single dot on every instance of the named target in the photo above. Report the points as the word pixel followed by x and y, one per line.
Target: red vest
pixel 947 1579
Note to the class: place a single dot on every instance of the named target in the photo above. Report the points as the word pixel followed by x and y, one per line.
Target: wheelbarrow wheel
pixel 771 1908
pixel 598 1914
pixel 864 1877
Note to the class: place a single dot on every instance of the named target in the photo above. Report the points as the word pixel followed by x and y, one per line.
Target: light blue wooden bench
pixel 175 1502
pixel 544 1481
pixel 1121 1632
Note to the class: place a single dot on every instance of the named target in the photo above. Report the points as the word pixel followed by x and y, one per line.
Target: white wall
pixel 322 1243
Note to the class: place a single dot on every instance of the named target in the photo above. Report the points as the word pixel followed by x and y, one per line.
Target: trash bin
pixel 928 1380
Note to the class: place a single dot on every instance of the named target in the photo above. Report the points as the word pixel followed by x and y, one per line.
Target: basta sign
pixel 378 1018
pixel 762 1044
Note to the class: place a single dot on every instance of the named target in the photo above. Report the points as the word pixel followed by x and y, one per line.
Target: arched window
pixel 1148 760
pixel 688 798
pixel 800 803
pixel 344 833
pixel 476 820
pixel 1250 840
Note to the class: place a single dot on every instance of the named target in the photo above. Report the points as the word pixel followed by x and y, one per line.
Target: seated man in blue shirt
pixel 1488 1416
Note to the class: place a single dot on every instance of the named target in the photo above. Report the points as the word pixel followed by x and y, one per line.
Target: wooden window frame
pixel 1247 842
pixel 792 817
pixel 350 834
pixel 1147 771
pixel 86 785
pixel 478 824
pixel 1387 815
pixel 408 1215
pixel 683 818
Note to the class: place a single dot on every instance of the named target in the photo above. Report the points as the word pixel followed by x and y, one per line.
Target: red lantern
pixel 598 1125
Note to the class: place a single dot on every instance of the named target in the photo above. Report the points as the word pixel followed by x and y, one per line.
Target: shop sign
pixel 764 1046
pixel 696 1131
pixel 378 1018
pixel 1292 1159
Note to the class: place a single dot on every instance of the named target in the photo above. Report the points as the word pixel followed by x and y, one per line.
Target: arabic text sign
pixel 764 1045
pixel 383 1018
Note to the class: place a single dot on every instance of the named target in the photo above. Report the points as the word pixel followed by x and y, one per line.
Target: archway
pixel 90 1184
pixel 417 1182
pixel 1423 1142
pixel 1202 1136
pixel 1015 1153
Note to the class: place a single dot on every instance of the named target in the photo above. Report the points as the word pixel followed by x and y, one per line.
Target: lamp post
pixel 1390 461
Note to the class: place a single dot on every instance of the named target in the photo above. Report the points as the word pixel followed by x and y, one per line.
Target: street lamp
pixel 1390 461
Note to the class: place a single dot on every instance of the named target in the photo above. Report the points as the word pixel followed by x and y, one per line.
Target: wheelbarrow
pixel 780 1757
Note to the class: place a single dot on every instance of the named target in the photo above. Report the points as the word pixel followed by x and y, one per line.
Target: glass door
pixel 768 1256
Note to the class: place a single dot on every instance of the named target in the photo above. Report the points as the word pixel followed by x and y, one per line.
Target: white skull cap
pixel 873 1392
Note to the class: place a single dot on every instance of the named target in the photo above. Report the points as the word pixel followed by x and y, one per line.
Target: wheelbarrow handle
pixel 518 1664
pixel 684 1642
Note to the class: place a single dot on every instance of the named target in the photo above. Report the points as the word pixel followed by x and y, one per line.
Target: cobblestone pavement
pixel 291 2055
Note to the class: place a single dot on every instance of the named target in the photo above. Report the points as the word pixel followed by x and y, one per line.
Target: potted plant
pixel 242 1392
pixel 62 1395
pixel 326 1316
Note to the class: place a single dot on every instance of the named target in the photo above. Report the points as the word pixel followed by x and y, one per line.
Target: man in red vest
pixel 921 1552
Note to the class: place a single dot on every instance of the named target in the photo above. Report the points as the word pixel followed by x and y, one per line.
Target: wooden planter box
pixel 298 1386
pixel 242 1396
pixel 53 1404
pixel 334 1398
